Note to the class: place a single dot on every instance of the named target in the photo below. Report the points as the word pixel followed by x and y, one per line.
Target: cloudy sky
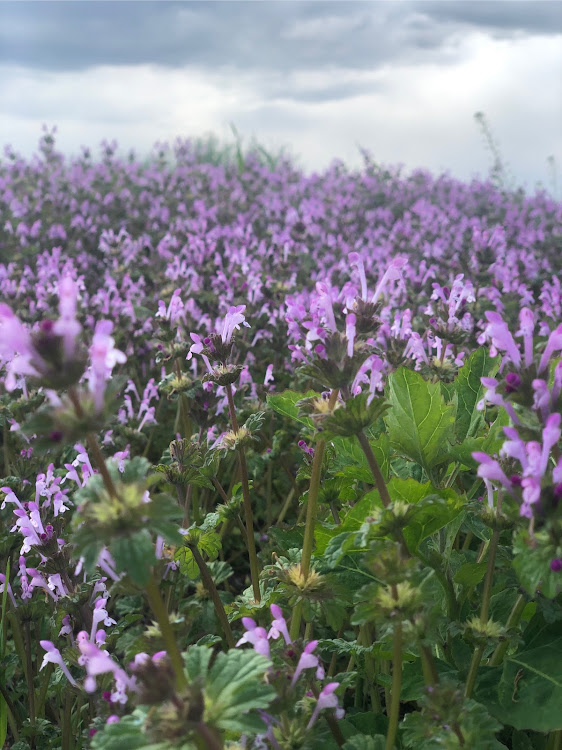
pixel 400 78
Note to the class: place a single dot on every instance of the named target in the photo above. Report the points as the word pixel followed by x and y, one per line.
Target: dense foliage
pixel 280 457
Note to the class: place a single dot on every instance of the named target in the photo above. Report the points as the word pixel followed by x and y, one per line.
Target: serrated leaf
pixel 285 404
pixel 134 555
pixel 125 734
pixel 469 389
pixel 186 561
pixel 353 417
pixel 234 686
pixel 419 421
pixel 197 660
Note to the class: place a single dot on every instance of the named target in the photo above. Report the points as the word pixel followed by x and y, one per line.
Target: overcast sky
pixel 401 79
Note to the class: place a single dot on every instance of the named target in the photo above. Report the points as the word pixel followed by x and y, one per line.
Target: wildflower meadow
pixel 280 456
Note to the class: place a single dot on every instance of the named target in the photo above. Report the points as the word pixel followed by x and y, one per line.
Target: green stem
pixel 66 720
pixel 555 740
pixel 512 621
pixel 40 708
pixel 29 672
pixel 375 468
pixel 159 611
pixel 285 507
pixel 311 509
pixel 249 516
pixel 370 670
pixel 484 612
pixel 396 686
pixel 11 712
pixel 6 449
pixel 214 594
pixel 99 460
pixel 211 740
pixel 430 673
pixel 93 446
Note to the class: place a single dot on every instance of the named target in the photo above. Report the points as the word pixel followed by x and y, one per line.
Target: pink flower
pixel 355 261
pixel 255 635
pixel 307 660
pixel 392 273
pixel 53 656
pixel 327 699
pixel 67 326
pixel 232 321
pixel 350 332
pixel 278 625
pixel 103 357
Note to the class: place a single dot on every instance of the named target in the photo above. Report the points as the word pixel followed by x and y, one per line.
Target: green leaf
pixel 350 462
pixel 126 734
pixel 532 560
pixel 364 742
pixel 197 660
pixel 470 391
pixel 134 555
pixel 186 561
pixel 353 417
pixel 470 574
pixel 527 692
pixel 285 404
pixel 435 508
pixel 419 421
pixel 235 686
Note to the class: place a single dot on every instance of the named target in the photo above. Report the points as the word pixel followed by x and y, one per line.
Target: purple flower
pixel 232 321
pixel 307 660
pixel 278 625
pixel 67 326
pixel 103 358
pixel 327 699
pixel 53 656
pixel 255 635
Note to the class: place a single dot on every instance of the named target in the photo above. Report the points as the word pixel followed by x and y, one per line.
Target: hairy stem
pixel 512 620
pixel 311 510
pixel 484 613
pixel 431 677
pixel 160 613
pixel 214 594
pixel 29 673
pixel 249 516
pixel 380 484
pixel 394 714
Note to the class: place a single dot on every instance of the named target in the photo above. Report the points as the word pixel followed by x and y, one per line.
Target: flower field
pixel 280 456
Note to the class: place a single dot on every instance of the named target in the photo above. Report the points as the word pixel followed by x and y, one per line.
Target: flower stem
pixel 484 612
pixel 93 445
pixel 29 673
pixel 512 620
pixel 430 674
pixel 249 516
pixel 214 594
pixel 159 610
pixel 396 686
pixel 6 448
pixel 375 468
pixel 312 505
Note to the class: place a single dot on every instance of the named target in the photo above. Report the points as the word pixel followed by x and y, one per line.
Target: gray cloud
pixel 275 35
pixel 505 18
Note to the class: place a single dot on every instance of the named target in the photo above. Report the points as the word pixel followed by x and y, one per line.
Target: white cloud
pixel 418 115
